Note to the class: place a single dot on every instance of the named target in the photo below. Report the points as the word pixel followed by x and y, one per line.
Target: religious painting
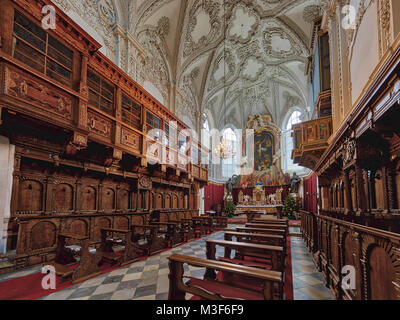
pixel 264 149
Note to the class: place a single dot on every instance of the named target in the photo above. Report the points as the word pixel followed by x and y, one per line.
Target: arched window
pixel 288 164
pixel 206 141
pixel 205 134
pixel 229 165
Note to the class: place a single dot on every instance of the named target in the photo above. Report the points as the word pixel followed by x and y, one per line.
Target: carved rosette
pixel 145 182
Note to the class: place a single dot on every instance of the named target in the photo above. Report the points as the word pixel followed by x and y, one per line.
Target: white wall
pixel 7 152
pixel 365 55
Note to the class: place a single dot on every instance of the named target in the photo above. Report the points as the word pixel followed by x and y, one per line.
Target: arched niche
pixel 43 235
pixel 121 223
pixel 30 196
pixel 123 199
pixel 88 198
pixel 101 223
pixel 381 274
pixel 63 198
pixel 108 199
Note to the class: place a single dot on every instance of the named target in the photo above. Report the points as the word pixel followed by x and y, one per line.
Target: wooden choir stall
pixel 88 171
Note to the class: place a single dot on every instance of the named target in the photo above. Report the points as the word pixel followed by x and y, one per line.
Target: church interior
pixel 199 150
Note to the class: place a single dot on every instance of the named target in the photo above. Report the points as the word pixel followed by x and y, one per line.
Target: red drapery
pixel 213 194
pixel 310 194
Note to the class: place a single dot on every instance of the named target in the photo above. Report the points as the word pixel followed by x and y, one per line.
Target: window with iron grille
pixel 33 46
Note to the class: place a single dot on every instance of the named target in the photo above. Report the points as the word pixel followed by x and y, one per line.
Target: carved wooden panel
pixel 348 250
pixel 43 235
pixel 134 202
pixel 159 201
pixel 63 198
pixel 167 201
pixel 334 249
pixel 88 198
pixel 78 226
pixel 30 196
pixel 164 217
pixel 37 92
pixel 180 205
pixel 108 199
pixel 121 223
pixel 130 139
pixel 379 194
pixel 99 125
pixel 101 223
pixel 123 199
pixel 381 275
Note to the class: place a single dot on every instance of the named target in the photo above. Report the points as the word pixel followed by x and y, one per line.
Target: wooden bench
pixel 149 233
pixel 108 241
pixel 210 289
pixel 89 259
pixel 268 257
pixel 270 239
pixel 169 229
pixel 267 226
pixel 199 226
pixel 184 226
pixel 271 221
pixel 261 230
pixel 218 222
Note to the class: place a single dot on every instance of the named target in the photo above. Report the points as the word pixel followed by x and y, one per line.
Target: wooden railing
pixel 340 247
pixel 310 139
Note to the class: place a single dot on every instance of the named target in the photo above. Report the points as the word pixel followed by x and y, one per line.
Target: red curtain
pixel 310 194
pixel 213 194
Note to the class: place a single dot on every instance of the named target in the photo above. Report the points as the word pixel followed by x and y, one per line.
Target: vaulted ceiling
pixel 231 59
pixel 226 59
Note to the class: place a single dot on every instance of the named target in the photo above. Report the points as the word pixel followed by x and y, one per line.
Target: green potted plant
pixel 230 208
pixel 290 207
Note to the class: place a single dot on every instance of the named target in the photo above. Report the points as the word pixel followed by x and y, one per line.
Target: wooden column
pixel 361 198
pixel 347 193
pixel 391 186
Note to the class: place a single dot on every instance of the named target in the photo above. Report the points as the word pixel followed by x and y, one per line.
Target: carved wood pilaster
pixel 49 195
pixel 347 190
pixel 361 198
pixel 358 264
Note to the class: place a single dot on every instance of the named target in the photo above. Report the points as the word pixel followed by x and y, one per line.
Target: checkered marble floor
pixel 308 283
pixel 148 279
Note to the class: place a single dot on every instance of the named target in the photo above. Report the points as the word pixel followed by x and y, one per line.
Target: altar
pixel 252 211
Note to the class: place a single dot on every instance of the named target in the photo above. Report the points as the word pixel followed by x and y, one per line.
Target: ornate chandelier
pixel 224 149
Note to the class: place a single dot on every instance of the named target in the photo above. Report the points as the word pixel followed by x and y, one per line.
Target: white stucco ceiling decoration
pixel 250 54
pixel 243 24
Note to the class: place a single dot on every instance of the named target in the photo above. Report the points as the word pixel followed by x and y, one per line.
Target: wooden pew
pixel 149 233
pixel 210 289
pixel 208 224
pixel 271 221
pixel 244 249
pixel 108 241
pixel 218 222
pixel 267 226
pixel 184 226
pixel 89 259
pixel 199 225
pixel 169 229
pixel 260 230
pixel 270 239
